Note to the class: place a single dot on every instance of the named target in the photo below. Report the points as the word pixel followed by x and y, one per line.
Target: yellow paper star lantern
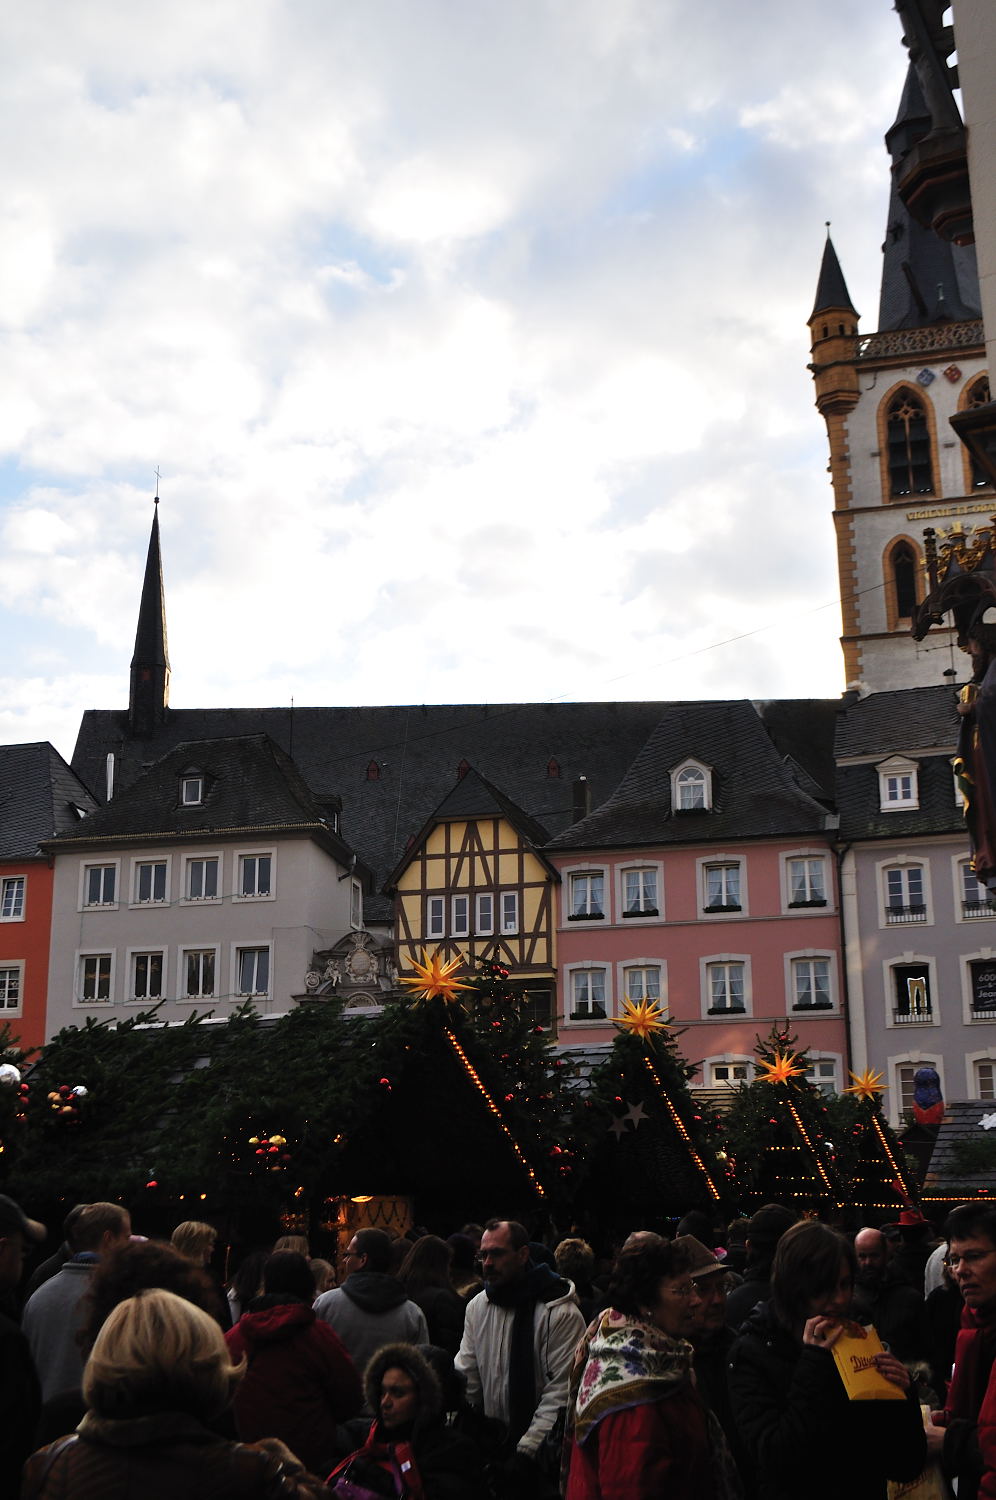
pixel 433 978
pixel 642 1020
pixel 781 1070
pixel 867 1085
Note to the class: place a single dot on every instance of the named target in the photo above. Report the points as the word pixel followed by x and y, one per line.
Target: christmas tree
pixel 660 1154
pixel 778 1133
pixel 880 1178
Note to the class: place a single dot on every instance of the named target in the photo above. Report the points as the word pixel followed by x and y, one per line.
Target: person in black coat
pixel 803 1434
pixel 402 1388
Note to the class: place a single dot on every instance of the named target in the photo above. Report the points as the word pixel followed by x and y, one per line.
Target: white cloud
pixel 470 341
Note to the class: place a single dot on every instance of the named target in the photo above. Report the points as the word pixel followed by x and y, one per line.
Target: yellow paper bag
pixel 855 1353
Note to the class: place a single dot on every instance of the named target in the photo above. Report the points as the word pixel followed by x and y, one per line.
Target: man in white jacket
pixel 519 1339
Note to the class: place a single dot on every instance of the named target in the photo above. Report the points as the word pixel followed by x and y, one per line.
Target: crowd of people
pixel 695 1366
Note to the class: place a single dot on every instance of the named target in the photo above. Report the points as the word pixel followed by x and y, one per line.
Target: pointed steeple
pixel 925 279
pixel 831 289
pixel 149 693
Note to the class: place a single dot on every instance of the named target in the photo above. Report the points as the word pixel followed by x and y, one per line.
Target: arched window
pixel 904 579
pixel 977 395
pixel 908 437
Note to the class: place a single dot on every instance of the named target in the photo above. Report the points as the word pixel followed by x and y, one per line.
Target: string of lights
pixel 475 1079
pixel 679 1125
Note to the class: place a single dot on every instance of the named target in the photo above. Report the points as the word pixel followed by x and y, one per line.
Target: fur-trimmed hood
pixel 405 1357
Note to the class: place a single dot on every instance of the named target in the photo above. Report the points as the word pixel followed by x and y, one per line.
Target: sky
pixel 468 339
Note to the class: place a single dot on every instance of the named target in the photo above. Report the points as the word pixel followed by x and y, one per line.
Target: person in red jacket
pixel 965 1435
pixel 300 1382
pixel 638 1426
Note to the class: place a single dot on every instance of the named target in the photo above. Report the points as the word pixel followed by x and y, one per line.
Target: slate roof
pixel 415 752
pixel 803 730
pixel 943 275
pixel 831 288
pixel 907 721
pixel 38 794
pixel 150 636
pixel 249 783
pixel 961 1122
pixel 754 794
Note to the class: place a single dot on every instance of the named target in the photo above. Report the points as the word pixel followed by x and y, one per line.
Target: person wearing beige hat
pixel 712 1340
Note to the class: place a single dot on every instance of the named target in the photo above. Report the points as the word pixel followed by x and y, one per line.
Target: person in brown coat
pixel 159 1369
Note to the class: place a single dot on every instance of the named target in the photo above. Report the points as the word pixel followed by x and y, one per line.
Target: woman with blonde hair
pixel 159 1370
pixel 195 1241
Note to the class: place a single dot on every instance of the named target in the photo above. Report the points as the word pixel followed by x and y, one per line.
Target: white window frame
pixel 721 859
pixel 903 862
pixel 586 872
pixel 435 916
pixel 915 1059
pixel 199 858
pixel 821 1059
pixel 509 908
pixel 145 951
pixel 99 864
pixel 726 1060
pixel 181 972
pixel 987 1057
pixel 678 781
pixel 892 770
pixel 14 965
pixel 906 960
pixel 252 898
pixel 639 867
pixel 810 955
pixel 582 968
pixel 9 880
pixel 965 962
pixel 137 864
pixel 640 963
pixel 960 863
pixel 484 926
pixel 721 1016
pixel 809 856
pixel 192 789
pixel 238 949
pixel 460 914
pixel 355 902
pixel 81 955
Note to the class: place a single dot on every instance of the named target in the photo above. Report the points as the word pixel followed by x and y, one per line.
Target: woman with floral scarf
pixel 637 1427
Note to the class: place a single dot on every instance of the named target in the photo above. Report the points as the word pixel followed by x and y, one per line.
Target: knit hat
pixel 766 1227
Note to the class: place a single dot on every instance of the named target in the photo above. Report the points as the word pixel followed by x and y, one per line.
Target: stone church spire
pixel 148 696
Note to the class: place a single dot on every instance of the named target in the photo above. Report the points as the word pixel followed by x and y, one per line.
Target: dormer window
pixel 898 785
pixel 691 788
pixel 191 790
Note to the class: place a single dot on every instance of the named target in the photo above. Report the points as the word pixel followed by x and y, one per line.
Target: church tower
pixel 148 696
pixel 896 465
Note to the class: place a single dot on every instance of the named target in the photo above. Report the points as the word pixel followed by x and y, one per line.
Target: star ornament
pixel 434 979
pixel 781 1069
pixel 642 1020
pixel 867 1085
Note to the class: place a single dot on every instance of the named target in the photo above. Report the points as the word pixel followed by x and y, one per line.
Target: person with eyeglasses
pixel 371 1307
pixel 519 1337
pixel 638 1428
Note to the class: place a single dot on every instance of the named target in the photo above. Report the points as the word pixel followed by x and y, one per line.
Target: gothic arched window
pixel 911 471
pixel 903 562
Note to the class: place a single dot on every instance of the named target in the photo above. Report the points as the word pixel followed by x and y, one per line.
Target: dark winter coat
pixel 803 1434
pixel 444 1313
pixel 449 1465
pixel 299 1382
pixel 169 1456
